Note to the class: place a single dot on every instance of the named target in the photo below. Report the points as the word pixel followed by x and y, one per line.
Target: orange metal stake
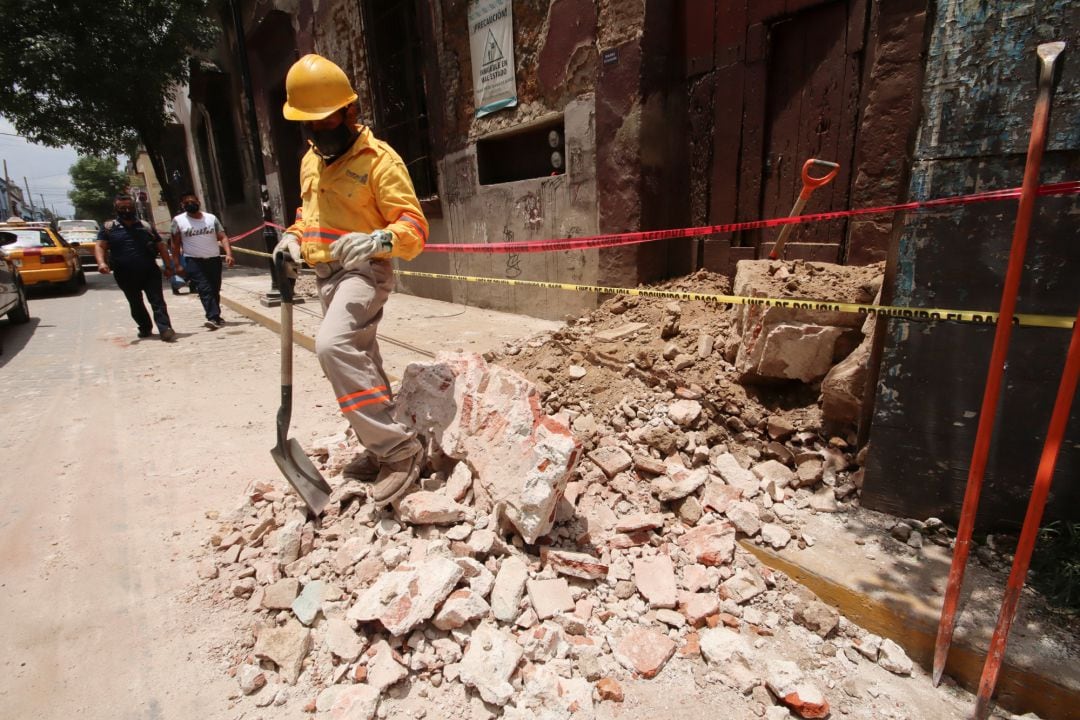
pixel 1054 435
pixel 1048 54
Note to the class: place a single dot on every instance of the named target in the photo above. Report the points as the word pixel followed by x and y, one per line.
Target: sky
pixel 45 168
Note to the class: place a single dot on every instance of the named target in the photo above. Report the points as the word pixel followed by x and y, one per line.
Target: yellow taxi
pixel 41 256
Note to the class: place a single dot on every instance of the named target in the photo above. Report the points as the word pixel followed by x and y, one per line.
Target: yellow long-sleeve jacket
pixel 366 189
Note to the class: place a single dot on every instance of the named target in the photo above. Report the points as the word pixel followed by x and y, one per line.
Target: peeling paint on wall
pixel 978 99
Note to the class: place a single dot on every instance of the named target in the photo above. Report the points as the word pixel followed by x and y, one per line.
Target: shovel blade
pixel 297 468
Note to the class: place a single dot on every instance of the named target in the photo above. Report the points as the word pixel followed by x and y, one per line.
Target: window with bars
pixel 396 74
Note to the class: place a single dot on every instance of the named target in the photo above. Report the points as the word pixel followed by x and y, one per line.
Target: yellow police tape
pixel 896 311
pixel 907 313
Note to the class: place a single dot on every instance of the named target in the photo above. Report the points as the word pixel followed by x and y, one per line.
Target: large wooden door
pixel 811 112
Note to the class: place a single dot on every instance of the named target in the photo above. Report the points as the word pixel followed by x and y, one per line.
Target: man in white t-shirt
pixel 197 235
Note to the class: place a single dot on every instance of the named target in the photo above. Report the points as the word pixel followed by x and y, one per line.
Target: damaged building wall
pixel 977 108
pixel 554 88
pixel 581 62
pixel 771 84
pixel 605 73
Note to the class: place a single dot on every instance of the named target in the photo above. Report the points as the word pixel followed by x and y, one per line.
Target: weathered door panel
pixel 811 111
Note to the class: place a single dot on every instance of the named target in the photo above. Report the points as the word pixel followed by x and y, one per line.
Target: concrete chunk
pixel 488 663
pixel 354 702
pixel 342 640
pixel 406 597
pixel 575 564
pixel 383 669
pixel 712 544
pixel 431 508
pixel 611 460
pixel 679 483
pixel 286 647
pixel 655 580
pixel 620 332
pixel 643 651
pixel 461 608
pixel 735 474
pixel 745 517
pixel 281 594
pixel 307 604
pixel 509 587
pixel 549 597
pixel 492 417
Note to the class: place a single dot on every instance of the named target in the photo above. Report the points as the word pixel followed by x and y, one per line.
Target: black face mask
pixel 191 207
pixel 125 214
pixel 330 144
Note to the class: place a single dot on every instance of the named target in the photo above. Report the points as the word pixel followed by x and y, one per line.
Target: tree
pixel 98 75
pixel 97 180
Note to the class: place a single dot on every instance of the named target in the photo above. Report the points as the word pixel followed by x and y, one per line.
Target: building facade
pixel 662 114
pixel 656 114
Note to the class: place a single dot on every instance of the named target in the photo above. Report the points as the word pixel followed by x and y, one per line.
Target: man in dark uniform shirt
pixel 131 246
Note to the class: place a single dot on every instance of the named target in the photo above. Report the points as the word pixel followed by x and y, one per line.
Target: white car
pixel 82 234
pixel 12 293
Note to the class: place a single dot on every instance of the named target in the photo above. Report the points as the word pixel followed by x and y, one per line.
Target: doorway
pixel 812 108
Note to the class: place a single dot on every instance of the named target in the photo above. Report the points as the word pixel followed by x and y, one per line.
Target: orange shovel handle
pixel 811 183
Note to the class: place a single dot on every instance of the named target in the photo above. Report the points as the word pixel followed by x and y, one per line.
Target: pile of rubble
pixel 573 531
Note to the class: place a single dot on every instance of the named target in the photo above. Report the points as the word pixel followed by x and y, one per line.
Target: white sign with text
pixel 491 39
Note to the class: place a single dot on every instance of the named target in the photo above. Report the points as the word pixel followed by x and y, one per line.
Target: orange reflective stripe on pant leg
pixel 346 399
pixel 369 401
pixel 355 400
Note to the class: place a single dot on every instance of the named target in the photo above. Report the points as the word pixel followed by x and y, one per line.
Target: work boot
pixel 168 334
pixel 396 477
pixel 362 468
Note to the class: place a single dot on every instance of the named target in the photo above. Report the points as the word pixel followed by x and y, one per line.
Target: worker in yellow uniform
pixel 359 210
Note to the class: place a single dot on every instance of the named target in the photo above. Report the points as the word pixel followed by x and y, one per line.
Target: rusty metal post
pixel 1048 54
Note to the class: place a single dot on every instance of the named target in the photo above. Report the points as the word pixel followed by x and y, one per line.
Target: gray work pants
pixel 352 302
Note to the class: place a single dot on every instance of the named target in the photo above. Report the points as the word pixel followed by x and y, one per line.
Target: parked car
pixel 81 235
pixel 41 256
pixel 12 293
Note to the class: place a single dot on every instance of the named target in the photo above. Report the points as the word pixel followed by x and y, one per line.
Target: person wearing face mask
pixel 127 248
pixel 195 237
pixel 359 211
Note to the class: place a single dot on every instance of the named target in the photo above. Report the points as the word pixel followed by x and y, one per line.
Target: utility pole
pixel 33 210
pixel 7 197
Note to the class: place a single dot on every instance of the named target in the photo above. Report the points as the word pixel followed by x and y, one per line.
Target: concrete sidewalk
pixel 413 329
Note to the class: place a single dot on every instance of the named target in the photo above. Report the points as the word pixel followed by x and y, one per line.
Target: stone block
pixel 712 544
pixel 489 661
pixel 549 597
pixel 643 651
pixel 407 596
pixel 655 580
pixel 492 417
pixel 286 647
pixel 508 589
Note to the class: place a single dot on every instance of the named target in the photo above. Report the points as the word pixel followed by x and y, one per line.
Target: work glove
pixel 353 249
pixel 289 246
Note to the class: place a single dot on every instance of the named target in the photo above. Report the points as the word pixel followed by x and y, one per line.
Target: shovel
pixel 291 459
pixel 809 185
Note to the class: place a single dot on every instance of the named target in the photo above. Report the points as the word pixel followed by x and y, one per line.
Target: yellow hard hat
pixel 315 88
